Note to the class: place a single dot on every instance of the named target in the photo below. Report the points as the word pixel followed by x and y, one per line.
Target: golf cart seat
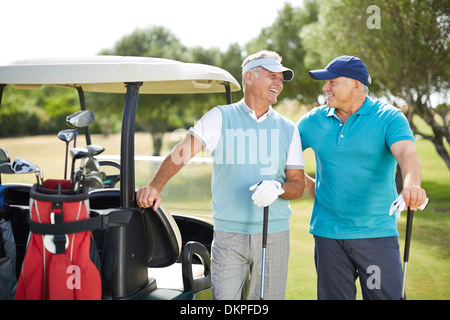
pixel 142 259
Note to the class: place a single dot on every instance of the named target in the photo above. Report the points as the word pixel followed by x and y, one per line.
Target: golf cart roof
pixel 109 73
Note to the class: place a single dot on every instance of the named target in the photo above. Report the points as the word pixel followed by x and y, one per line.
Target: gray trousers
pixel 236 258
pixel 375 261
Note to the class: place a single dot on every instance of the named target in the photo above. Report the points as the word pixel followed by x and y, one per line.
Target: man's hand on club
pixel 147 197
pixel 412 197
pixel 266 192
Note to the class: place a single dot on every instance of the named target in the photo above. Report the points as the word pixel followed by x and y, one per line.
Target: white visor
pixel 270 64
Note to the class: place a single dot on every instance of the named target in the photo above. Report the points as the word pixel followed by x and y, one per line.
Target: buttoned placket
pixel 344 127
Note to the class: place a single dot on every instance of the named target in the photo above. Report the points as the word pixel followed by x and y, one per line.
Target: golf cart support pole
pixel 83 107
pixel 124 252
pixel 409 221
pixel 228 93
pixel 127 180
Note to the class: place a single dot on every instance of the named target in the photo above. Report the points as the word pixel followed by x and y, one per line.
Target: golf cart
pixel 149 239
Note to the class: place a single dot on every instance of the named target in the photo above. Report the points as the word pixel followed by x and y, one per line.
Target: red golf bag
pixel 61 261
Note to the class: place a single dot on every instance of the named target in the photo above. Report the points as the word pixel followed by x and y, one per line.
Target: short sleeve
pixel 398 129
pixel 208 128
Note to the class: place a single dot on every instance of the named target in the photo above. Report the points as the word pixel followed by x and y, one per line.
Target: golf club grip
pixel 409 221
pixel 265 222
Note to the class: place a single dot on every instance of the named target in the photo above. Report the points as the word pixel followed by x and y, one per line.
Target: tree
pixel 284 37
pixel 405 45
pixel 155 112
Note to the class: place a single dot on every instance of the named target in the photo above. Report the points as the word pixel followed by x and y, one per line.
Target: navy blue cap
pixel 343 66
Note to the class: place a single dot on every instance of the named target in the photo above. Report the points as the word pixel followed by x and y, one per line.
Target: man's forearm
pixel 180 155
pixel 166 171
pixel 310 186
pixel 294 185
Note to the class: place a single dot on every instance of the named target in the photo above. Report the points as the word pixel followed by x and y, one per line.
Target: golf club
pixel 21 165
pixel 100 174
pixel 4 159
pixel 76 153
pixel 409 221
pixel 94 149
pixel 80 119
pixel 82 153
pixel 264 245
pixel 4 156
pixel 6 168
pixel 92 181
pixel 66 135
pixel 92 165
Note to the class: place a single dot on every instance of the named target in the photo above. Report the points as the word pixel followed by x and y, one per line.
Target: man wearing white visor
pixel 257 162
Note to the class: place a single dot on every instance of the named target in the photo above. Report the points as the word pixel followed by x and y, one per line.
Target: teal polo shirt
pixel 355 169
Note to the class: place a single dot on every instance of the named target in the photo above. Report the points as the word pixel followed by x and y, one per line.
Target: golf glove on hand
pixel 266 192
pixel 399 205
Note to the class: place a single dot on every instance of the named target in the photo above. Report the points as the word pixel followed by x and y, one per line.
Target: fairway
pixel 428 269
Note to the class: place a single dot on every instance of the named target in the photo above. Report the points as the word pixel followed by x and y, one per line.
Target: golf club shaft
pixel 409 221
pixel 405 266
pixel 65 165
pixel 75 138
pixel 264 245
pixel 72 170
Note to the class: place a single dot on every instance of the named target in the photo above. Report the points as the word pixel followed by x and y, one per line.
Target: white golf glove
pixel 399 205
pixel 266 192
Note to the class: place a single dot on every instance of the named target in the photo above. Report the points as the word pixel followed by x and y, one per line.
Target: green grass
pixel 428 269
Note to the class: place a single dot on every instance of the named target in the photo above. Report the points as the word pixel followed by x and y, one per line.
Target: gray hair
pixel 364 88
pixel 259 55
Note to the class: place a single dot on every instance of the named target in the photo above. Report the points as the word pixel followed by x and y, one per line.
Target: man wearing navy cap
pixel 257 162
pixel 357 143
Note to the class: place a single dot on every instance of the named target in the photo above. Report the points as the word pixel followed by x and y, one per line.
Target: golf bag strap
pixel 102 221
pixel 59 239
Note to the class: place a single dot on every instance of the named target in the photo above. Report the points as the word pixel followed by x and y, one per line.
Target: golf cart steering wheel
pixel 113 179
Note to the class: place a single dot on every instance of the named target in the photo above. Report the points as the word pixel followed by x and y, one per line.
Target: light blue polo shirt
pixel 355 169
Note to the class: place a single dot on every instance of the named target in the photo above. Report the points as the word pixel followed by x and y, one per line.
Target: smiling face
pixel 339 92
pixel 264 85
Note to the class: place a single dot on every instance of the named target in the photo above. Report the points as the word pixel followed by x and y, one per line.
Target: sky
pixel 61 28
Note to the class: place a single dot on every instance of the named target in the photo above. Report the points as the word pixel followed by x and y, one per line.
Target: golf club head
pixel 99 174
pixel 77 175
pixel 66 135
pixel 6 168
pixel 94 149
pixel 78 153
pixel 80 119
pixel 92 165
pixel 4 156
pixel 21 165
pixel 92 181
